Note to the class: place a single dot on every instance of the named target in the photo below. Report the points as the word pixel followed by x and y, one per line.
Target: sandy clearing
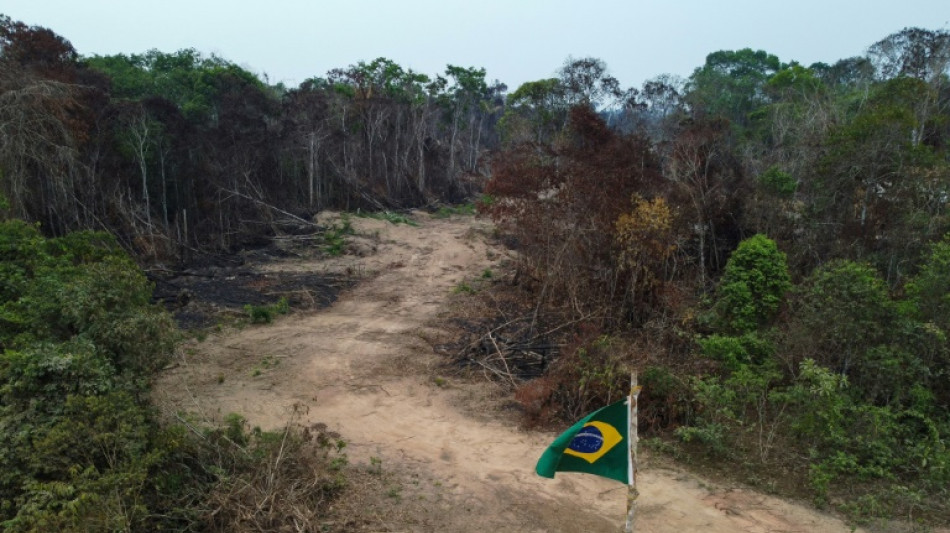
pixel 364 367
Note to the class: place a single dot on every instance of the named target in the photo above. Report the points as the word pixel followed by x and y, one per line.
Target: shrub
pixel 736 352
pixel 752 287
pixel 264 314
pixel 334 237
pixel 778 182
pixel 80 338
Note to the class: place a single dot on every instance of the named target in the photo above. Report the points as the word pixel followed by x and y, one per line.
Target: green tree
pixel 875 193
pixel 732 83
pixel 844 319
pixel 794 81
pixel 468 92
pixel 535 112
pixel 186 77
pixel 586 81
pixel 752 287
pixel 846 307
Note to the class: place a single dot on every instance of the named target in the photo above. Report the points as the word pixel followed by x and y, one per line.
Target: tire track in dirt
pixel 364 367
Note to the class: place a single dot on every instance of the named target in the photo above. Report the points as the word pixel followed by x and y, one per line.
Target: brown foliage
pixel 646 241
pixel 562 203
pixel 287 486
pixel 708 181
pixel 536 398
pixel 591 372
pixel 38 49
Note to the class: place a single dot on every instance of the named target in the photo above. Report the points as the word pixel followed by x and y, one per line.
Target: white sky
pixel 514 40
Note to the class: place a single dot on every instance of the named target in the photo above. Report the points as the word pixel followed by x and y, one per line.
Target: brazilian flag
pixel 598 444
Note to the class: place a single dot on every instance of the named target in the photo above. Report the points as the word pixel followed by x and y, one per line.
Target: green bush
pixel 81 450
pixel 449 211
pixel 752 287
pixel 264 314
pixel 666 399
pixel 778 182
pixel 334 237
pixel 80 338
pixel 79 286
pixel 90 469
pixel 734 352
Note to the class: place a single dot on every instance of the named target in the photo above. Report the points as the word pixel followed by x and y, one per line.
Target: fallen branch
pixel 272 207
pixel 504 361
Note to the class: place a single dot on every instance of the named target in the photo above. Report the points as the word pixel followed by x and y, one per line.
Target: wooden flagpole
pixel 632 492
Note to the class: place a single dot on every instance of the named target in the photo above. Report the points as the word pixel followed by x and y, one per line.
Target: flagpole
pixel 632 438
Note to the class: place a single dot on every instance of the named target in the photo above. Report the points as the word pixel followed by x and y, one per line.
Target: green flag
pixel 598 445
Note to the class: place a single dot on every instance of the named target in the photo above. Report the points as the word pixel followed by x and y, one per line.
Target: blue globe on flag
pixel 588 440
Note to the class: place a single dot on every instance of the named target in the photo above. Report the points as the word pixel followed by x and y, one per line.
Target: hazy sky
pixel 514 40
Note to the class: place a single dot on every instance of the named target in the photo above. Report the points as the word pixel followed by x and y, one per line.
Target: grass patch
pixel 463 287
pixel 471 287
pixel 334 238
pixel 375 465
pixel 449 210
pixel 389 216
pixel 395 493
pixel 266 363
pixel 264 314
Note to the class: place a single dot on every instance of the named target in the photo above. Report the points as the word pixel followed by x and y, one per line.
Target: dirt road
pixel 365 367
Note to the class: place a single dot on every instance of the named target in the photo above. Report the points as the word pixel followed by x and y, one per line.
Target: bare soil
pixel 454 457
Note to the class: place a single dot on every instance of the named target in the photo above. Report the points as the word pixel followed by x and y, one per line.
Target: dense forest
pixel 768 242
